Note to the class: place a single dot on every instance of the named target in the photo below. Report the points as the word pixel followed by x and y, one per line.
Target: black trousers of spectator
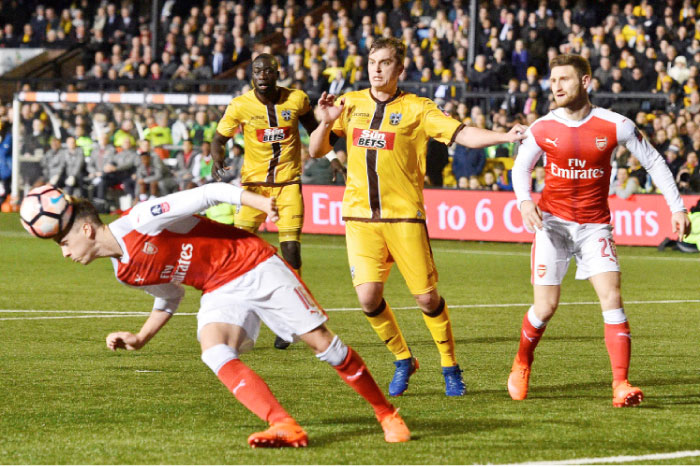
pixel 115 178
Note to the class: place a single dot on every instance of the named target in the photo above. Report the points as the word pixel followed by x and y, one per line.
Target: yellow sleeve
pixel 339 125
pixel 438 125
pixel 305 106
pixel 229 122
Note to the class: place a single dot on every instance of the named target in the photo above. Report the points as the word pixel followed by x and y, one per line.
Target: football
pixel 45 211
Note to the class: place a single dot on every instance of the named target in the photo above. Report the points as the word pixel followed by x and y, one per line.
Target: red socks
pixel 251 391
pixel 619 344
pixel 529 338
pixel 356 375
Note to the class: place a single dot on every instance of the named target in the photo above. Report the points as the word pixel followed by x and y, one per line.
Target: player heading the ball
pixel 161 245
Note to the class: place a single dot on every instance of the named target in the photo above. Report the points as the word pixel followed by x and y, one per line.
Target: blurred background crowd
pixel 645 57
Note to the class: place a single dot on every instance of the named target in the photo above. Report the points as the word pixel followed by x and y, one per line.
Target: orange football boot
pixel 518 380
pixel 395 429
pixel 284 434
pixel 626 395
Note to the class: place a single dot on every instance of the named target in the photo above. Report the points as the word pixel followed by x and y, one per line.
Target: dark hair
pixel 266 56
pixel 83 210
pixel 579 63
pixel 390 43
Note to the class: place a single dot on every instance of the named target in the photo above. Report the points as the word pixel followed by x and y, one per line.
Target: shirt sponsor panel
pixel 373 139
pixel 272 135
pixel 177 273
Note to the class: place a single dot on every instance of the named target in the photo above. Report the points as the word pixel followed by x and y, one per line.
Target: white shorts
pixel 591 244
pixel 270 293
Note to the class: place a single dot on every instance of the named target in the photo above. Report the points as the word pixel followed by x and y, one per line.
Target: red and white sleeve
pixel 529 153
pixel 154 215
pixel 629 135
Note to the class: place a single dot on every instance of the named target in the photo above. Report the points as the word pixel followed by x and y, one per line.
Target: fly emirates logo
pixel 177 273
pixel 576 170
pixel 373 139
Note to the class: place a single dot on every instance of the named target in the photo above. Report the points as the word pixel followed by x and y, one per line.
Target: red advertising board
pixel 494 216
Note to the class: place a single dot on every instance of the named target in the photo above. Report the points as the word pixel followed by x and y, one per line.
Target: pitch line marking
pixel 618 459
pixel 467 251
pixel 132 314
pixel 510 305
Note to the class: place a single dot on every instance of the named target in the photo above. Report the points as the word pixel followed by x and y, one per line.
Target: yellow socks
pixel 438 323
pixel 384 323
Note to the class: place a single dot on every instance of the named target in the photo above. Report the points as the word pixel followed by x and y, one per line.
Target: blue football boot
pixel 404 369
pixel 454 384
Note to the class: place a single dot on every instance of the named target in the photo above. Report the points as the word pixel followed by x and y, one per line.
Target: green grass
pixel 66 399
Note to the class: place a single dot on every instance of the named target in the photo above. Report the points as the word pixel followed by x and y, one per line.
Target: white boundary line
pixel 121 314
pixel 618 459
pixel 467 251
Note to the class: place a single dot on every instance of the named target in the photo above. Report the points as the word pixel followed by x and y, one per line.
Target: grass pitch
pixel 66 399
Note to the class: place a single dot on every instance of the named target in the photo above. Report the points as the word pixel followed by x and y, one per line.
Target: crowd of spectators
pixel 634 47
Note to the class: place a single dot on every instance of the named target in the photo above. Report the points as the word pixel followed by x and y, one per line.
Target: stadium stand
pixel 645 58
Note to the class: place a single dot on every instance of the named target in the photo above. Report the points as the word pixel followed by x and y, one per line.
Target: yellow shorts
pixel 291 209
pixel 373 247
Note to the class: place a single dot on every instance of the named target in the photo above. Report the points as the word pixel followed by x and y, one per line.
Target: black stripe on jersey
pixel 375 203
pixel 276 147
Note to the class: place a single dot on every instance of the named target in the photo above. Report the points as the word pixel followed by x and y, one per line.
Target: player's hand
pixel 272 211
pixel 680 222
pixel 517 133
pixel 218 170
pixel 337 168
pixel 124 340
pixel 532 215
pixel 327 111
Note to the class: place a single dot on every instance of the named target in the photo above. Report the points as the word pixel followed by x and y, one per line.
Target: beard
pixel 573 101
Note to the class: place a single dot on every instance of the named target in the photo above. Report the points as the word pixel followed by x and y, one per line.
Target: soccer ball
pixel 45 211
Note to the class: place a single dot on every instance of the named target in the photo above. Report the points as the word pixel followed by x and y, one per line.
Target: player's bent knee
pixel 374 311
pixel 370 296
pixel 219 355
pixel 335 354
pixel 436 310
pixel 429 302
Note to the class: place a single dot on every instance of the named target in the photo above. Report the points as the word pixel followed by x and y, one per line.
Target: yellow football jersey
pixel 270 135
pixel 386 145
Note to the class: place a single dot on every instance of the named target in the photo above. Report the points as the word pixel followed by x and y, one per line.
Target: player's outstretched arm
pixel 218 154
pixel 328 113
pixel 473 137
pixel 268 205
pixel 129 341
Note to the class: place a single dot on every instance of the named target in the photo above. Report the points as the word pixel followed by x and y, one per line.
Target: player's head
pixel 569 78
pixel 78 240
pixel 265 74
pixel 385 63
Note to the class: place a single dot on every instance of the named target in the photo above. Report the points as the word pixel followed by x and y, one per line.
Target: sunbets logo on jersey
pixel 373 139
pixel 272 135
